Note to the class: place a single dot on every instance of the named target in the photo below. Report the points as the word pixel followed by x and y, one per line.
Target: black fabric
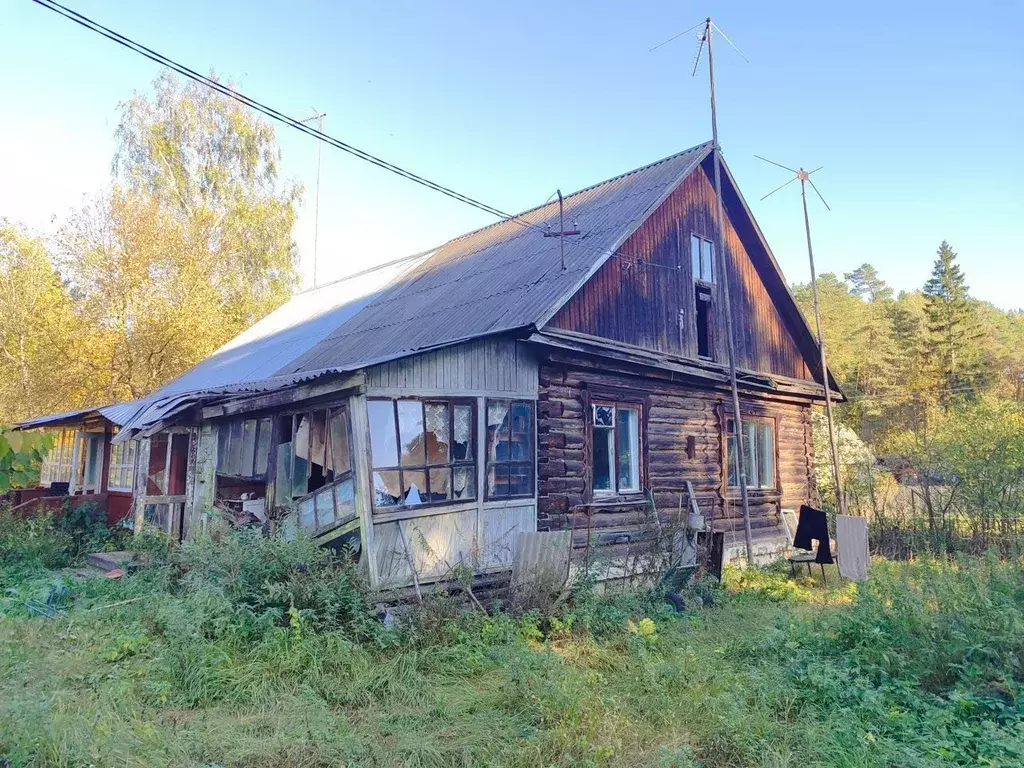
pixel 813 525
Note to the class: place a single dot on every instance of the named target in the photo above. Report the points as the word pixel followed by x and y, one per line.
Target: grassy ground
pixel 235 657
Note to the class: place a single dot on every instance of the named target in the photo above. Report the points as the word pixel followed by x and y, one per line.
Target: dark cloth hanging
pixel 813 525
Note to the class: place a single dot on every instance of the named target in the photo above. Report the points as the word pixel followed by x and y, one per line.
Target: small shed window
pixel 122 466
pixel 422 451
pixel 758 453
pixel 616 447
pixel 510 454
pixel 702 300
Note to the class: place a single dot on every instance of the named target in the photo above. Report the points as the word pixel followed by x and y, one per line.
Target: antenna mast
pixel 805 179
pixel 724 269
pixel 319 117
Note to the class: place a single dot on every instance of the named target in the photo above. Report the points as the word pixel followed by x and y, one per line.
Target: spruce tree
pixel 953 330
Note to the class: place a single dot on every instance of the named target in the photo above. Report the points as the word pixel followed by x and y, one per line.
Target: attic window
pixel 702 258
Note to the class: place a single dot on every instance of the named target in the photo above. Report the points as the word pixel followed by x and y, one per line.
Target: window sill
pixel 423 510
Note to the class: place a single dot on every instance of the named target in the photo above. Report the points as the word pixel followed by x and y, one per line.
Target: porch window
pixel 314 467
pixel 122 466
pixel 422 452
pixel 243 446
pixel 510 455
pixel 758 453
pixel 57 464
pixel 616 447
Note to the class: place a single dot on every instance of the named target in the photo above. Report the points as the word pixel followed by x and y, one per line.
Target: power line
pixel 299 125
pixel 270 112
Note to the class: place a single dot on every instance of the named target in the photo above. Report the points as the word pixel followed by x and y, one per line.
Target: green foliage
pixel 21 457
pixel 923 665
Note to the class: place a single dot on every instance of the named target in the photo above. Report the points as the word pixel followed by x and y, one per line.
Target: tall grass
pixel 261 653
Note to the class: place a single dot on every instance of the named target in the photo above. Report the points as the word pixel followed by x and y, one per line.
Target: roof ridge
pixel 580 191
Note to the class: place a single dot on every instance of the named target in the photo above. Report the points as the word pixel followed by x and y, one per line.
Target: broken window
pixel 702 299
pixel 616 447
pixel 758 453
pixel 314 469
pixel 121 472
pixel 242 448
pixel 422 451
pixel 510 454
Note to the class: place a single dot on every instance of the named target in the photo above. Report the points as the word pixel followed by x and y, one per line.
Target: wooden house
pixel 430 409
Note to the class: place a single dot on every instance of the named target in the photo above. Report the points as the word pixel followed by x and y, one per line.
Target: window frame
pixel 116 467
pixel 53 468
pixel 755 452
pixel 616 404
pixel 471 464
pixel 706 245
pixel 531 462
pixel 257 432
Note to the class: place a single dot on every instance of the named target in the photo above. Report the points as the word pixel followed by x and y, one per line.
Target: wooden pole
pixel 723 270
pixel 840 501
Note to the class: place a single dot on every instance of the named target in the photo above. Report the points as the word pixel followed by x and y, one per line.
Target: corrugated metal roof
pixel 118 414
pixel 499 278
pixel 502 277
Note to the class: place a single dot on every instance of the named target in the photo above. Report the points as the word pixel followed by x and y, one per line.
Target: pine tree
pixel 865 283
pixel 953 329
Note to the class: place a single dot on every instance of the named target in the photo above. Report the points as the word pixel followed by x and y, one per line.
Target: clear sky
pixel 915 110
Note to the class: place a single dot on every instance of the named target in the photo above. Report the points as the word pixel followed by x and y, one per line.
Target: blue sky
pixel 915 110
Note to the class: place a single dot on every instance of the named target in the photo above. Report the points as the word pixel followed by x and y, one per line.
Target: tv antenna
pixel 319 118
pixel 562 232
pixel 723 268
pixel 804 177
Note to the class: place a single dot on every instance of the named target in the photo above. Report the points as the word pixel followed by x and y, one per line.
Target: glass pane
pixel 604 415
pixel 383 443
pixel 248 448
pixel 283 481
pixel 223 435
pixel 318 444
pixel 415 487
pixel 324 507
pixel 307 519
pixel 440 485
pixel 629 459
pixel 344 499
pixel 156 484
pixel 750 451
pixel 520 480
pixel 437 439
pixel 464 483
pixel 235 449
pixel 603 453
pixel 497 430
pixel 300 480
pixel 342 456
pixel 410 430
pixel 301 439
pixel 766 456
pixel 262 446
pixel 734 479
pixel 708 261
pixel 497 480
pixel 522 432
pixel 462 448
pixel 387 490
pixel 695 256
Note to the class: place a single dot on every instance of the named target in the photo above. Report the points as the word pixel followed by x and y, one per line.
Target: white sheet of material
pixel 852 539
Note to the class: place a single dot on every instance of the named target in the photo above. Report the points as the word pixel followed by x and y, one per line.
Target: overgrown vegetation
pixel 252 651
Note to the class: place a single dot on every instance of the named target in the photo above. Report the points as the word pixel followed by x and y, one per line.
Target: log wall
pixel 673 413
